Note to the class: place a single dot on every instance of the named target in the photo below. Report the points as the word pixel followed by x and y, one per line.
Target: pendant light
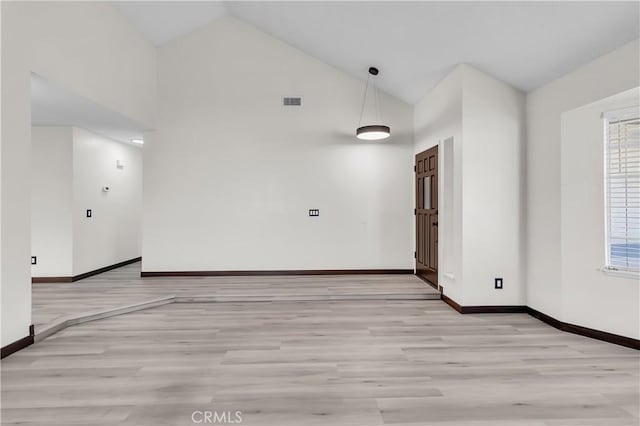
pixel 372 132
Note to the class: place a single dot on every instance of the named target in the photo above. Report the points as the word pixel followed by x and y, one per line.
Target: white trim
pixel 605 178
pixel 620 273
pixel 607 118
pixel 621 114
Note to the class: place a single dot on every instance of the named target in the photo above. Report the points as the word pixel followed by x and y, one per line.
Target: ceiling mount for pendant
pixel 372 132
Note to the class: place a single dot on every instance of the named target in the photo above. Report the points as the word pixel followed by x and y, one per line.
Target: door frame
pixel 422 273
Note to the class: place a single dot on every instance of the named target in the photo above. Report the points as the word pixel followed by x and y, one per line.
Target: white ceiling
pixel 162 21
pixel 53 105
pixel 415 44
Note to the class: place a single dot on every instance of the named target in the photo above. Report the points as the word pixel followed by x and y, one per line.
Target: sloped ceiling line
pixel 525 44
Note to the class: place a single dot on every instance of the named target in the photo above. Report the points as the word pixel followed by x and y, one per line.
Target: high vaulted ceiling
pixel 415 44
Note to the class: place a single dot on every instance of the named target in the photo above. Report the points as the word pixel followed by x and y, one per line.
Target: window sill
pixel 621 274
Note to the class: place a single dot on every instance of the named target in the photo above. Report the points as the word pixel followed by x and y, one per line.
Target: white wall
pixel 230 173
pixel 493 190
pixel 15 182
pixel 608 75
pixel 113 233
pixel 587 292
pixel 437 117
pixel 51 201
pixel 90 49
pixel 480 230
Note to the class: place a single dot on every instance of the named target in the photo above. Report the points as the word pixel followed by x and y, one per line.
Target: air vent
pixel 292 101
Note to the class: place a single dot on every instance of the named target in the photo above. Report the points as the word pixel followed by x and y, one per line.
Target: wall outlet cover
pixel 498 283
pixel 34 260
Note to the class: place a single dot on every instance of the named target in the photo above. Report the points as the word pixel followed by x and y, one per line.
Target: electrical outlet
pixel 34 260
pixel 89 213
pixel 314 212
pixel 498 283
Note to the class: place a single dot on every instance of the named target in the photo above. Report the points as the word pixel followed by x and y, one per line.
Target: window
pixel 426 192
pixel 622 187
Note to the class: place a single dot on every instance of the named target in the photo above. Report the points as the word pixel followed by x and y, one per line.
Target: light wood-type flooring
pixel 124 286
pixel 324 362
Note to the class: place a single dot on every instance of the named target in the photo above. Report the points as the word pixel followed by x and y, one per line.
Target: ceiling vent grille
pixel 292 101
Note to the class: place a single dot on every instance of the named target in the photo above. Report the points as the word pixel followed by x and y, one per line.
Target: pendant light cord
pixel 364 100
pixel 376 101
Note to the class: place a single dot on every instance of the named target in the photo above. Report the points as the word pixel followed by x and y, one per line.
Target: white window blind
pixel 622 151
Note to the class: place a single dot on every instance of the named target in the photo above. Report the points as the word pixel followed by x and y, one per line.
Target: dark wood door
pixel 426 212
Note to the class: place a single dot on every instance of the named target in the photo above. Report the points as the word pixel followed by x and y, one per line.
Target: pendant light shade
pixel 372 132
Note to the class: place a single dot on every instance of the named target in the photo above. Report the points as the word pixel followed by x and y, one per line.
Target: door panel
pixel 426 170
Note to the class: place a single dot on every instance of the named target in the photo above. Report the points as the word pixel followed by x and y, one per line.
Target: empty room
pixel 292 213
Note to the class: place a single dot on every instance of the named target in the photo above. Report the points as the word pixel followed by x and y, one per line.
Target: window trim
pixel 620 273
pixel 607 117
